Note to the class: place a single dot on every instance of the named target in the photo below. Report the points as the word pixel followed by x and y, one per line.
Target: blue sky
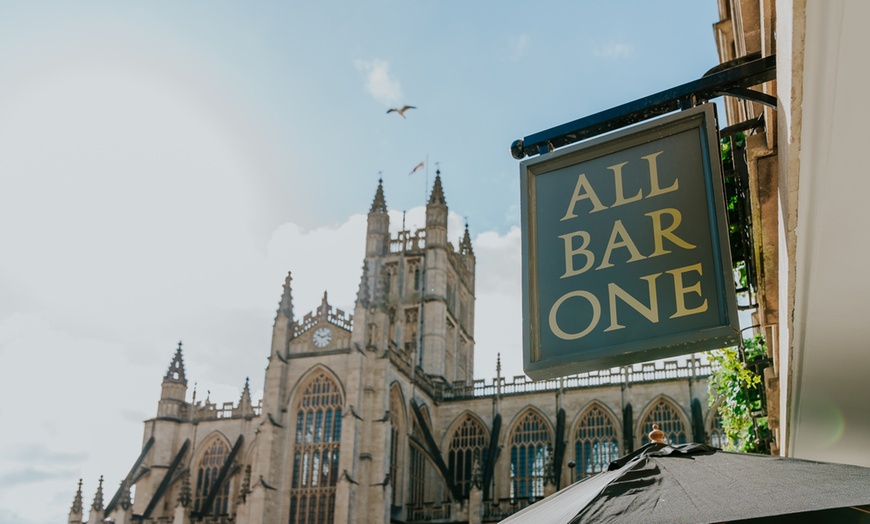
pixel 164 164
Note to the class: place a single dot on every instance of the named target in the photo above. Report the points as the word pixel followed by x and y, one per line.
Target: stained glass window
pixel 207 473
pixel 316 452
pixel 670 421
pixel 529 454
pixel 467 446
pixel 596 442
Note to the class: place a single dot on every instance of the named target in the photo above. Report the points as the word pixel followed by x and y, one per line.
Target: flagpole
pixel 426 187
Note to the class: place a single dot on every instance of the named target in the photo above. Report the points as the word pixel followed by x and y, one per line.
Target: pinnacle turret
pixel 379 204
pixel 323 310
pixel 98 497
pixel 175 373
pixel 246 405
pixel 437 195
pixel 285 307
pixel 75 512
pixel 465 244
pixel 126 501
pixel 378 225
pixel 173 390
pixel 436 215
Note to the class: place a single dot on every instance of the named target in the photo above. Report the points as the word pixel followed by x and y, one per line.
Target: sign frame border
pixel 703 118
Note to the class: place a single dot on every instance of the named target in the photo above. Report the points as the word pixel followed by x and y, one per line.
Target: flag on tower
pixel 417 167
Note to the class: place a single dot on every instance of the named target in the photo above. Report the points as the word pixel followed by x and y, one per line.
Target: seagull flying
pixel 401 110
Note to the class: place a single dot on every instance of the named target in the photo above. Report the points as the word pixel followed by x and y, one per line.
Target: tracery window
pixel 718 438
pixel 529 454
pixel 417 472
pixel 316 452
pixel 207 473
pixel 670 421
pixel 397 429
pixel 467 446
pixel 596 442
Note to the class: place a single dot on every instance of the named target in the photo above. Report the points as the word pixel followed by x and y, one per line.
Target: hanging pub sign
pixel 625 248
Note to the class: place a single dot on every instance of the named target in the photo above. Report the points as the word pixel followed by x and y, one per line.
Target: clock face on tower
pixel 322 337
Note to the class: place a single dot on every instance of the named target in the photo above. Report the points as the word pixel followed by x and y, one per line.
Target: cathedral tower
pixel 173 389
pixel 422 291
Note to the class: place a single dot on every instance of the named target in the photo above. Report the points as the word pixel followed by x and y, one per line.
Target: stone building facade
pixel 376 416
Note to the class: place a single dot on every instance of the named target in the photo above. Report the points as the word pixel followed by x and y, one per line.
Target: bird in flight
pixel 401 110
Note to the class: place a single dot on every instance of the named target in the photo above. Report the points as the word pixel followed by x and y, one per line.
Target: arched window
pixel 467 446
pixel 417 471
pixel 529 443
pixel 670 421
pixel 316 452
pixel 595 441
pixel 397 430
pixel 216 453
pixel 716 432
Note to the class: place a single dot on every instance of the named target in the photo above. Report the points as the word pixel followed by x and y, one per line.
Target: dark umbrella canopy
pixel 694 484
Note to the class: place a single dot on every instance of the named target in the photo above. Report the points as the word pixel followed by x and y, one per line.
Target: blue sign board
pixel 625 248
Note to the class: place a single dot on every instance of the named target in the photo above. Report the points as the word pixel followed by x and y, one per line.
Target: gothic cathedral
pixel 376 417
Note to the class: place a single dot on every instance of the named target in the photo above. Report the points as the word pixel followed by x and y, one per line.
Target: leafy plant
pixel 736 388
pixel 728 145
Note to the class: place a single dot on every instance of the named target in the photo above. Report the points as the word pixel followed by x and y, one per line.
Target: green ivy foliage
pixel 727 146
pixel 738 391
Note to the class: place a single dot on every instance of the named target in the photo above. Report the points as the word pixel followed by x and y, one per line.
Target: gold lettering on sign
pixel 583 191
pixel 651 313
pixel 571 252
pixel 680 290
pixel 659 233
pixel 617 181
pixel 625 241
pixel 596 315
pixel 654 177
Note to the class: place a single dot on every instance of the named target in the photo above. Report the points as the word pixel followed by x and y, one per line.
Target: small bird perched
pixel 401 110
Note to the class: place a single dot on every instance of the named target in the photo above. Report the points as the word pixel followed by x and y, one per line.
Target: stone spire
pixel 75 512
pixel 378 225
pixel 436 215
pixel 97 513
pixel 285 307
pixel 324 308
pixel 379 204
pixel 246 406
pixel 437 195
pixel 175 373
pixel 173 390
pixel 126 501
pixel 98 497
pixel 465 244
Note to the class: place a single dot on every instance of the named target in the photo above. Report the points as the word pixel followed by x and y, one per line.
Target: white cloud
pixel 614 50
pixel 378 81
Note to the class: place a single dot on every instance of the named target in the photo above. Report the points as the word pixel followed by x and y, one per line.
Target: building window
pixel 397 429
pixel 467 447
pixel 670 421
pixel 718 438
pixel 210 465
pixel 417 491
pixel 529 455
pixel 595 441
pixel 316 452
